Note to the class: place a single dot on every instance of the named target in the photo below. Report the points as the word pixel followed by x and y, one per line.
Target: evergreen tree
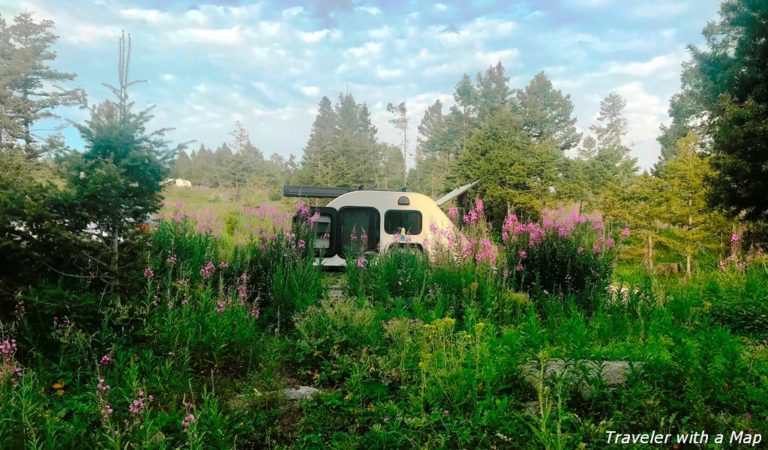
pixel 547 113
pixel 492 91
pixel 28 85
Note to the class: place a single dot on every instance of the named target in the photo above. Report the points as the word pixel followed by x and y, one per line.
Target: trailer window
pixel 359 228
pixel 395 219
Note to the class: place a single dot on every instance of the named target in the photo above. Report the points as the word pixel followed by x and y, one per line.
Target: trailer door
pixel 326 234
pixel 358 229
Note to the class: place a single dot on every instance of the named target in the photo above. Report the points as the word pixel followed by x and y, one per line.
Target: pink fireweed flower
pixel 187 421
pixel 433 228
pixel 255 312
pixel 518 268
pixel 487 252
pixel 735 238
pixel 178 204
pixel 106 360
pixel 598 226
pixel 596 248
pixel 223 265
pixel 149 273
pixel 207 270
pixel 364 237
pixel 361 262
pixel 563 232
pixel 609 242
pixel 470 217
pixel 625 232
pixel 352 236
pixel 522 254
pixel 171 260
pixel 184 301
pixel 580 250
pixel 221 305
pixel 509 225
pixel 505 273
pixel 314 218
pixel 301 207
pixel 479 206
pixel 300 244
pixel 453 213
pixel 170 304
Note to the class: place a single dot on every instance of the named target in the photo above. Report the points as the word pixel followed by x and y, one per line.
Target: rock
pixel 582 373
pixel 300 392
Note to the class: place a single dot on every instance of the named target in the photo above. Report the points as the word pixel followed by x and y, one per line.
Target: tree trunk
pixel 650 252
pixel 688 259
pixel 114 266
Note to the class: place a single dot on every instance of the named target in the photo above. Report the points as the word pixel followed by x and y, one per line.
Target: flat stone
pixel 300 392
pixel 582 373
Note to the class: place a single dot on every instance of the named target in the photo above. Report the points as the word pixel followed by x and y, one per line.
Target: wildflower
pixel 433 228
pixel 178 204
pixel 106 360
pixel 353 236
pixel 187 421
pixel 735 238
pixel 137 406
pixel 580 250
pixel 453 213
pixel 221 305
pixel 505 273
pixel 223 265
pixel 609 242
pixel 596 248
pixel 518 268
pixel 170 304
pixel 364 237
pixel 302 209
pixel 361 262
pixel 445 412
pixel 598 225
pixel 171 260
pixel 625 232
pixel 255 312
pixel 314 218
pixel 148 273
pixel 207 270
pixel 300 244
pixel 522 254
pixel 21 309
pixel 184 301
pixel 479 206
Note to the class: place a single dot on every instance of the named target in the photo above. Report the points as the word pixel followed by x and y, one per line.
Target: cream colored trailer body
pixel 385 219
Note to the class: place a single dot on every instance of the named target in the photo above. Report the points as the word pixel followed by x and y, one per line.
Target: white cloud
pixel 659 9
pixel 218 36
pixel 167 77
pixel 384 73
pixel 372 10
pixel 644 69
pixel 292 12
pixel 309 91
pixel 503 56
pixel 441 6
pixel 314 36
pixel 365 51
pixel 380 33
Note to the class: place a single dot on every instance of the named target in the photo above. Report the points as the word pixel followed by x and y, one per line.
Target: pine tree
pixel 547 113
pixel 28 85
pixel 492 91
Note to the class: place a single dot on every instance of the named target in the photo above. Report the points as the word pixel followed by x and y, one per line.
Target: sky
pixel 268 63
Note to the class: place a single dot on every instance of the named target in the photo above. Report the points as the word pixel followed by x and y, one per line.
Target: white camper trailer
pixel 386 219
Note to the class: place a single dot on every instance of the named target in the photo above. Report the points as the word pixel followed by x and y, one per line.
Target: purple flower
pixel 596 248
pixel 300 244
pixel 625 232
pixel 315 217
pixel 106 360
pixel 453 213
pixel 187 421
pixel 223 265
pixel 148 273
pixel 522 254
pixel 361 262
pixel 518 268
pixel 580 250
pixel 207 270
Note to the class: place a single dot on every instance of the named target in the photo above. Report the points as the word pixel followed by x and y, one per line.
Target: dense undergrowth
pixel 441 350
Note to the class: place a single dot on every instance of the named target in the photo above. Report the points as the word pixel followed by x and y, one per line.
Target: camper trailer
pixel 385 219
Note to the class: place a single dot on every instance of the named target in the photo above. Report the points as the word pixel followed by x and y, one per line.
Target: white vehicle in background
pixel 376 220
